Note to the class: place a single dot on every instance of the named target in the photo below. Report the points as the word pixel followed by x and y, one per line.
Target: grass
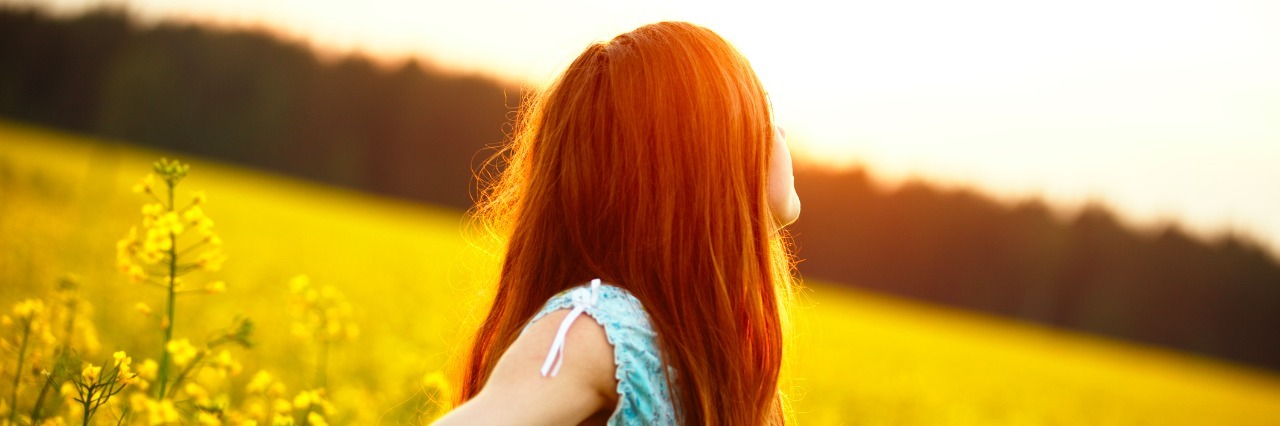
pixel 411 276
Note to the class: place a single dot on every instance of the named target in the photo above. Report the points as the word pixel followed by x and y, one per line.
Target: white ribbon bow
pixel 582 298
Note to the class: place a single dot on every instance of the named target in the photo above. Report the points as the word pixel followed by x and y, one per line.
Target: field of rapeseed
pixel 248 298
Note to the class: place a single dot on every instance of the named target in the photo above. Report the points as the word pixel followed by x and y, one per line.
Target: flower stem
pixel 183 374
pixel 17 374
pixel 306 416
pixel 44 391
pixel 168 325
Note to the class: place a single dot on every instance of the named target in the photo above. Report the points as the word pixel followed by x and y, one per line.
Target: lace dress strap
pixel 580 303
pixel 643 395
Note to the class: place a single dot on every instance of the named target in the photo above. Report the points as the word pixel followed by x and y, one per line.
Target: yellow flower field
pixel 359 303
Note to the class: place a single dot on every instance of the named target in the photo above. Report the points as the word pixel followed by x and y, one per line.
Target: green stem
pixel 168 329
pixel 183 374
pixel 306 416
pixel 194 246
pixel 86 401
pixel 17 374
pixel 107 389
pixel 35 411
pixel 71 325
pixel 63 349
pixel 157 197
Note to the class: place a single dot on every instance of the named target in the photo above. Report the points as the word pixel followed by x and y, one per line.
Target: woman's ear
pixel 784 203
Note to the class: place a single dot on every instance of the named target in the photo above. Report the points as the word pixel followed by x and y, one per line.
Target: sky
pixel 1164 110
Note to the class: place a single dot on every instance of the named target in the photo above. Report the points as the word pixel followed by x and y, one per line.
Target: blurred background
pixel 1013 212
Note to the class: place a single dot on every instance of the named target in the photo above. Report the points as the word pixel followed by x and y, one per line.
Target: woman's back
pixel 651 162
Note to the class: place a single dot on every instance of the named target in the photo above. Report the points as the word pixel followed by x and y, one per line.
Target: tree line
pixel 413 131
pixel 250 98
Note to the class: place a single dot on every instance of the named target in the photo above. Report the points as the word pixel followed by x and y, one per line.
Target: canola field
pixel 398 284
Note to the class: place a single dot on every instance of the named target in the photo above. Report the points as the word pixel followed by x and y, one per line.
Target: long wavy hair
pixel 644 164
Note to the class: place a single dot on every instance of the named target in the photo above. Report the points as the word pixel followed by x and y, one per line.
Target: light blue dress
pixel 643 397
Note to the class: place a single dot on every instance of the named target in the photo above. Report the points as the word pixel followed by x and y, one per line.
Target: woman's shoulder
pixel 515 391
pixel 642 390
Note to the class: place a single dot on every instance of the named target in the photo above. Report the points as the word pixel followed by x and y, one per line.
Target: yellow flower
pixel 156 244
pixel 259 382
pixel 255 409
pixel 223 359
pixel 28 308
pixel 148 369
pixel 437 381
pixel 321 312
pixel 204 226
pixel 193 215
pixel 316 419
pixel 127 248
pixel 136 273
pixel 303 400
pixel 196 391
pixel 90 373
pixel 226 364
pixel 153 210
pixel 53 421
pixel 282 405
pixel 170 224
pixel 143 309
pixel 216 287
pixel 211 260
pixel 151 213
pixel 122 363
pixel 46 335
pixel 138 401
pixel 182 351
pixel 67 390
pixel 145 185
pixel 205 418
pixel 162 412
pixel 277 389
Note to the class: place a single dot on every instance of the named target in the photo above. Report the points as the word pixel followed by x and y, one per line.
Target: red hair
pixel 645 165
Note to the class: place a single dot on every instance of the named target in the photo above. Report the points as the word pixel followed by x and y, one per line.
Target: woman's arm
pixel 518 394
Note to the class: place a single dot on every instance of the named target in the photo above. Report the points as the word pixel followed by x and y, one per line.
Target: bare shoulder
pixel 587 365
pixel 584 386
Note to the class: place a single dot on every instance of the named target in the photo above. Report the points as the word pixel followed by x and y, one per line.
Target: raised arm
pixel 518 394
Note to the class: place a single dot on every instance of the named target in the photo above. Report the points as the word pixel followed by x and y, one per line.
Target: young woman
pixel 645 279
